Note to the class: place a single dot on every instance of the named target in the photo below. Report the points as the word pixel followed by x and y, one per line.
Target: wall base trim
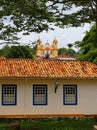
pixel 47 115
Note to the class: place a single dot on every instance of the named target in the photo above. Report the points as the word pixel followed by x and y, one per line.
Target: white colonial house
pixel 42 88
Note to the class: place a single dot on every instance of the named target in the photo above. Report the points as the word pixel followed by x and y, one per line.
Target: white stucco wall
pixel 86 96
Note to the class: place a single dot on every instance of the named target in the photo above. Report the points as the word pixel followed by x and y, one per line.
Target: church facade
pixel 47 50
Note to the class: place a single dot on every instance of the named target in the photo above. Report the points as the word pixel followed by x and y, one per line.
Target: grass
pixel 66 124
pixel 56 124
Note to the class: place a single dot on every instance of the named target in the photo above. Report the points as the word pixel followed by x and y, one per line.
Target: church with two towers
pixel 47 50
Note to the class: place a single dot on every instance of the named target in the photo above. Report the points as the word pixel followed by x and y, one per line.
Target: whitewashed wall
pixel 86 96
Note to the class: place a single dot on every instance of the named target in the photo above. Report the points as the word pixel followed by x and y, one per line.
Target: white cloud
pixel 64 36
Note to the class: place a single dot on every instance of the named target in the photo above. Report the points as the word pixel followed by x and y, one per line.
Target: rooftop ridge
pixel 53 68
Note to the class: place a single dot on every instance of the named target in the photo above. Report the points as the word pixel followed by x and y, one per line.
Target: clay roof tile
pixel 47 68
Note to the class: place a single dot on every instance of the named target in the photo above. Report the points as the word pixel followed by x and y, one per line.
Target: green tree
pixel 17 52
pixel 68 51
pixel 62 50
pixel 87 47
pixel 4 51
pixel 36 15
pixel 23 15
pixel 70 45
pixel 85 12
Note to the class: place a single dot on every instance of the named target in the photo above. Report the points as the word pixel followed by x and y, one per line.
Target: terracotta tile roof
pixel 47 68
pixel 64 55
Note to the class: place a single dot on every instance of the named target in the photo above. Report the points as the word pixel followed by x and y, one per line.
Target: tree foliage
pixel 85 12
pixel 17 52
pixel 68 51
pixel 87 47
pixel 23 15
pixel 36 15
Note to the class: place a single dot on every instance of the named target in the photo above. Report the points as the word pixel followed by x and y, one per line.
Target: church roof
pixel 65 56
pixel 28 68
